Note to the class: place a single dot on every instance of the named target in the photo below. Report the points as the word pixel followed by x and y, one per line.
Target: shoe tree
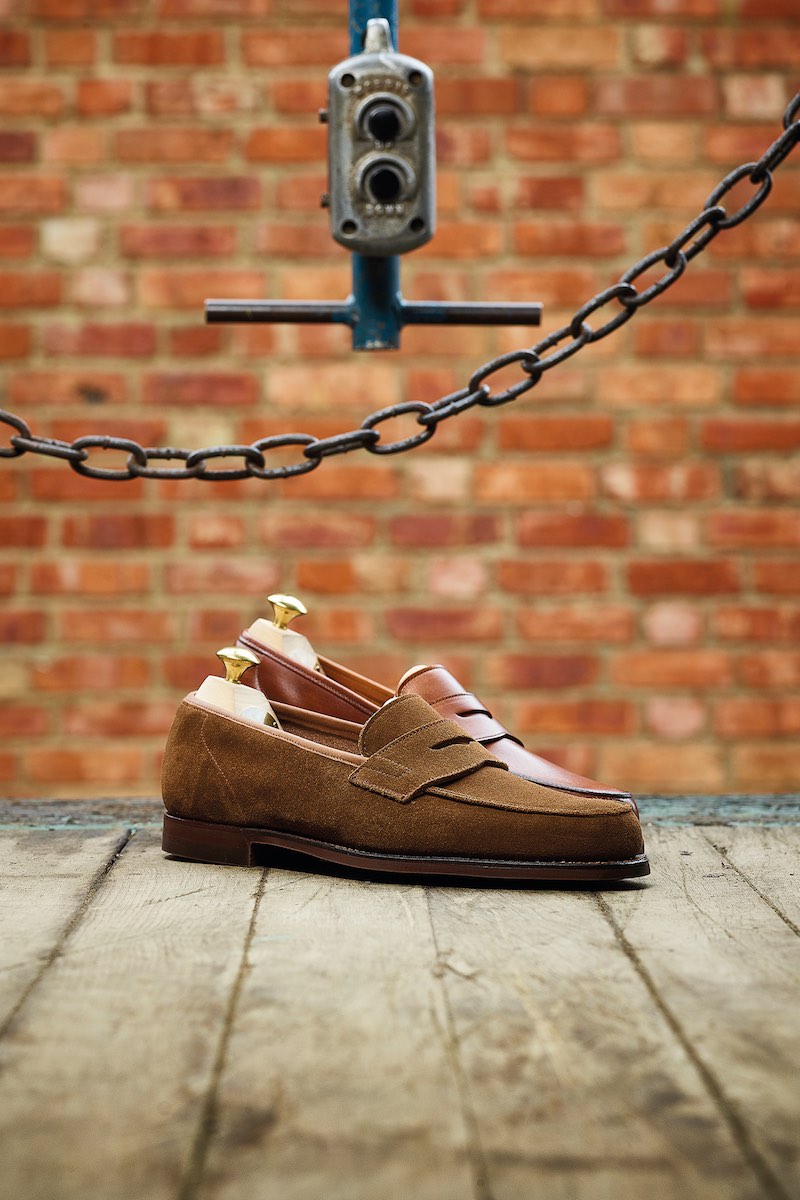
pixel 278 636
pixel 233 696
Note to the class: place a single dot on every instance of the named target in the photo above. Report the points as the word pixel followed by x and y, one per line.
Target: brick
pixel 199 47
pixel 658 482
pixel 22 195
pixel 722 435
pixel 597 622
pixel 342 483
pixel 682 385
pixel 552 578
pixel 294 48
pixel 444 625
pixel 656 96
pixel 17 241
pixel 25 627
pixel 768 387
pixel 149 145
pixel 242 9
pixel 658 437
pixel 118 532
pixel 777 577
pixel 460 146
pixel 222 576
pixel 756 716
pixel 584 431
pixel 660 142
pixel 672 623
pixel 126 340
pixel 597 143
pixel 556 287
pixel 747 623
pixel 195 341
pixel 77 388
pixel 745 338
pixel 764 767
pixel 307 387
pixel 574 239
pixel 521 671
pixel 762 528
pixel 216 532
pixel 465 239
pixel 770 669
pixel 104 97
pixel 753 98
pixel 318 531
pixel 29 289
pixel 101 287
pixel 161 289
pixel 17 147
pixel 668 668
pixel 477 97
pixel 23 720
pixel 568 529
pixel 63 767
pixel 456 576
pixel 626 190
pixel 771 288
pixel 53 483
pixel 576 717
pixel 94 577
pixel 648 767
pixel 670 338
pixel 90 673
pixel 74 145
pixel 70 240
pixel 768 480
pixel 672 532
pixel 15 48
pixel 570 47
pixel 123 626
pixel 217 388
pixel 286 144
pixel 281 240
pixel 104 193
pixel 550 483
pixel 559 96
pixel 118 718
pixel 675 717
pixel 21 531
pixel 562 193
pixel 690 9
pixel 30 98
pixel 443 529
pixel 177 241
pixel 69 47
pixel 198 194
pixel 683 577
pixel 751 47
pixel 660 46
pixel 15 341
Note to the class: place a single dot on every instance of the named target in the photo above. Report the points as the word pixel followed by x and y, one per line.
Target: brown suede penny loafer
pixel 339 692
pixel 409 792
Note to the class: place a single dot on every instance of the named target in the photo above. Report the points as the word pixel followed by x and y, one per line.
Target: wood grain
pixel 46 878
pixel 578 1086
pixel 726 968
pixel 338 1080
pixel 769 859
pixel 105 1072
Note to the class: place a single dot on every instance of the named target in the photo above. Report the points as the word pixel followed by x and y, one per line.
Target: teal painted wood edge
pixel 736 809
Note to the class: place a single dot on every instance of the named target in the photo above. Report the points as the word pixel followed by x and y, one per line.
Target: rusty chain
pixel 534 361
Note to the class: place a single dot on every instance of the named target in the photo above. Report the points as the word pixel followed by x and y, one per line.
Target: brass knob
pixel 285 609
pixel 236 661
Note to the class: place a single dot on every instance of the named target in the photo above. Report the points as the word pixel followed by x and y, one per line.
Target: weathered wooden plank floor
pixel 170 1030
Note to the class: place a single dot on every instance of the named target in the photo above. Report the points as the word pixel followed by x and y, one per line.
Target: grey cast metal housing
pixel 381 155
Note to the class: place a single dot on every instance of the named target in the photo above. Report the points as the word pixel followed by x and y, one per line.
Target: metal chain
pixel 534 361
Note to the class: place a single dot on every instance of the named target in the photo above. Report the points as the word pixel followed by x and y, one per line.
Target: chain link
pixel 533 361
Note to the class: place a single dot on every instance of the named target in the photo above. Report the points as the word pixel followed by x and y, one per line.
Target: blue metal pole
pixel 376 300
pixel 362 11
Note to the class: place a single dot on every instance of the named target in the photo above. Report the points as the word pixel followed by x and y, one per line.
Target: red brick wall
pixel 612 560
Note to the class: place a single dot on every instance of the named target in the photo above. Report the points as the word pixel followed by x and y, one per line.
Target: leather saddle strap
pixel 433 754
pixel 476 720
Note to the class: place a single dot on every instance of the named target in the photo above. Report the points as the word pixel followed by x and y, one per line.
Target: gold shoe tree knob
pixel 236 661
pixel 285 609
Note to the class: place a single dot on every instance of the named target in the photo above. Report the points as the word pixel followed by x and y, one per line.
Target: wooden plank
pixel 769 859
pixel 338 1082
pixel 106 1071
pixel 727 970
pixel 45 878
pixel 578 1086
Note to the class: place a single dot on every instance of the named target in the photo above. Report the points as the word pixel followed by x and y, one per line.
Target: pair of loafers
pixel 421 782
